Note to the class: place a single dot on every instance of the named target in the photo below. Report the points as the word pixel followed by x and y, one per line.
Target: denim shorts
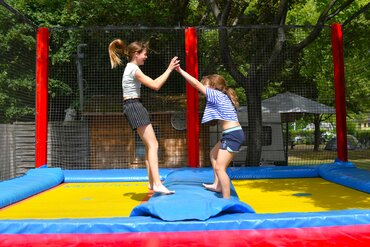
pixel 232 139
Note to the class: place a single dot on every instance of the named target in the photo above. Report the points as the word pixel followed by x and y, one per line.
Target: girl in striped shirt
pixel 221 105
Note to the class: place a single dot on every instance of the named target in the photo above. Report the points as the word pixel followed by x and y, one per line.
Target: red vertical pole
pixel 340 93
pixel 192 118
pixel 42 62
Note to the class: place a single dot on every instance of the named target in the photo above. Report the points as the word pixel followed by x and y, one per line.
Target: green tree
pixel 269 59
pixel 17 66
pixel 17 75
pixel 257 72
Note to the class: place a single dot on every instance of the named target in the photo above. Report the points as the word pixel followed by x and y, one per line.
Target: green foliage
pixel 17 98
pixel 242 96
pixel 58 88
pixel 357 73
pixel 306 136
pixel 17 64
pixel 351 127
pixel 363 136
pixel 304 13
pixel 310 72
pixel 70 13
pixel 314 68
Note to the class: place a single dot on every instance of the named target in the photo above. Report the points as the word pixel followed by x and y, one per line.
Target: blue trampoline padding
pixel 33 182
pixel 112 175
pixel 241 221
pixel 191 200
pixel 347 174
pixel 266 172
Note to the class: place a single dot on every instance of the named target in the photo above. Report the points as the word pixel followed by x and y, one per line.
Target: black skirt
pixel 135 113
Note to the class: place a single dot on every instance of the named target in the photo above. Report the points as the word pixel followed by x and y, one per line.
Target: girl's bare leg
pixel 147 135
pixel 150 177
pixel 215 186
pixel 224 158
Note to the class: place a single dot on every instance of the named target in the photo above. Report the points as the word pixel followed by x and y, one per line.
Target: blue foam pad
pixel 347 174
pixel 191 201
pixel 110 175
pixel 265 172
pixel 142 224
pixel 33 182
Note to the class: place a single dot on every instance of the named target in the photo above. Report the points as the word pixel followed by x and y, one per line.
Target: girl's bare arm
pixel 194 82
pixel 157 83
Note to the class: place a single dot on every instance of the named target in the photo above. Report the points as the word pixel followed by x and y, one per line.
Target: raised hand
pixel 174 64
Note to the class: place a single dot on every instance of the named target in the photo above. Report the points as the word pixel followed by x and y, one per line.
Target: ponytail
pixel 117 49
pixel 232 95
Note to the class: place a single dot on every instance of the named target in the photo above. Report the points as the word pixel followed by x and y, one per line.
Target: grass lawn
pixel 304 155
pixel 360 157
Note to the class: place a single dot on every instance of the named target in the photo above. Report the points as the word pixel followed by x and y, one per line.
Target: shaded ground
pixel 304 154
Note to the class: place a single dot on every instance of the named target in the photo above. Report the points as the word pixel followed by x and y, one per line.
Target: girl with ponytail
pixel 221 103
pixel 136 114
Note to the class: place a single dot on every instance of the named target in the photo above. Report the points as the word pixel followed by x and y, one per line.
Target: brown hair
pixel 219 83
pixel 117 48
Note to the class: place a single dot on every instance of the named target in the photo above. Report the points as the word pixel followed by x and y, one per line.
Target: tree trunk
pixel 254 135
pixel 317 139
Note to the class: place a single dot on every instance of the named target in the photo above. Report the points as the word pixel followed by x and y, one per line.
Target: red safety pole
pixel 340 92
pixel 192 118
pixel 42 62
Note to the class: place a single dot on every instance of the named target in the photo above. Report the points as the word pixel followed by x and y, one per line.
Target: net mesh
pixel 88 130
pixel 87 126
pixel 17 96
pixel 357 76
pixel 292 95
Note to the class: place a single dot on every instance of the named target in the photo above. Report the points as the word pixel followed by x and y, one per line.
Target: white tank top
pixel 130 86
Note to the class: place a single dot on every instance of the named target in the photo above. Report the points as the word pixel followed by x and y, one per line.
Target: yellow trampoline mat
pixel 299 195
pixel 105 200
pixel 80 200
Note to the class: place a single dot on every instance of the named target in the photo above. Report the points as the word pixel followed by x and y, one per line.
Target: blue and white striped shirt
pixel 218 106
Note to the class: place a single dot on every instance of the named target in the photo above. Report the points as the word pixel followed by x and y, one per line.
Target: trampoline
pixel 282 205
pixel 313 205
